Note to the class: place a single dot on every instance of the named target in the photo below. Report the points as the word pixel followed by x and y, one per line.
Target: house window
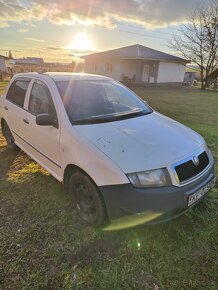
pixel 109 67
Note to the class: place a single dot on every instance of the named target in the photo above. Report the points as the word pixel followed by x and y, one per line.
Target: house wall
pixel 128 68
pixel 159 72
pixel 100 67
pixel 170 72
pixel 3 65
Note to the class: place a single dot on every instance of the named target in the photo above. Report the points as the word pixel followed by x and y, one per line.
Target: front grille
pixel 188 170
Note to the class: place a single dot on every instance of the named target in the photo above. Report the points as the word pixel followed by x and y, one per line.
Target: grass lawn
pixel 43 244
pixel 2 86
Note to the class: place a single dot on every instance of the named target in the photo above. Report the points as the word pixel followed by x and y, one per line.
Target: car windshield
pixel 94 101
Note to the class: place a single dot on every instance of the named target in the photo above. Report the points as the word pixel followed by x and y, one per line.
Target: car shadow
pixel 7 158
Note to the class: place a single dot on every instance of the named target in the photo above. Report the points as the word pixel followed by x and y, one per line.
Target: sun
pixel 81 42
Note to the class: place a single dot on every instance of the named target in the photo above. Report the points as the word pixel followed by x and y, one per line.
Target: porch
pixel 136 71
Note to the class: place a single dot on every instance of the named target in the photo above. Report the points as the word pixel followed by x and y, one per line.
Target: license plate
pixel 197 195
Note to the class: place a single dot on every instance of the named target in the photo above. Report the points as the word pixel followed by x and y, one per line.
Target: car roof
pixel 65 76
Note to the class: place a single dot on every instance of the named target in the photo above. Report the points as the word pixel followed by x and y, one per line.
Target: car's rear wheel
pixel 88 200
pixel 9 137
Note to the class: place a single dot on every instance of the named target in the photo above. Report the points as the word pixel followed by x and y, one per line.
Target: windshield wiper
pixel 92 120
pixel 110 118
pixel 135 114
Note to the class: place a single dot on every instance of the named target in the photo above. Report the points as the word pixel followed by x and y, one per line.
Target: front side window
pixel 40 100
pixel 17 92
pixel 99 101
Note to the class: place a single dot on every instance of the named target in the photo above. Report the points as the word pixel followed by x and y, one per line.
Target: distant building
pixel 29 64
pixel 137 64
pixel 189 77
pixel 36 64
pixel 6 67
pixel 4 64
pixel 29 61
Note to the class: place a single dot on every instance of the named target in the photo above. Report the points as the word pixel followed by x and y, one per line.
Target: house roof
pixel 2 56
pixel 136 51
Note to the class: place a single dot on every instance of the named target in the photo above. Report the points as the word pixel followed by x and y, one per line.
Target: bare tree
pixel 197 40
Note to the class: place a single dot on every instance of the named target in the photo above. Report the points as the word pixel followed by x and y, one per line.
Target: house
pixel 189 77
pixel 137 64
pixel 6 67
pixel 4 64
pixel 29 61
pixel 29 64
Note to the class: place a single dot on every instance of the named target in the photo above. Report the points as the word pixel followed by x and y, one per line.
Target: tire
pixel 9 138
pixel 88 200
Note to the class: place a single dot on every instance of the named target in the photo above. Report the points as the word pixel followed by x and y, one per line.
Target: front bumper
pixel 163 203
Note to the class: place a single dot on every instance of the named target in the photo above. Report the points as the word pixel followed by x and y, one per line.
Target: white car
pixel 118 157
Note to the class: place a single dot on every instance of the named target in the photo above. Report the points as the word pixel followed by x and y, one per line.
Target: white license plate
pixel 197 195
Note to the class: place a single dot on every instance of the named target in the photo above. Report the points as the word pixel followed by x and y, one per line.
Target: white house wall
pixel 100 67
pixel 128 68
pixel 3 65
pixel 170 72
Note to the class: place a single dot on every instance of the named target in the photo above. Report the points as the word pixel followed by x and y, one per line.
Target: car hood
pixel 143 143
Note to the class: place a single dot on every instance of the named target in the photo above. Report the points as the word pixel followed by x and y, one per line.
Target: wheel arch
pixel 69 170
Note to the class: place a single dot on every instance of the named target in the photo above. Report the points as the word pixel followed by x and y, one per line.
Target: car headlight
pixel 150 178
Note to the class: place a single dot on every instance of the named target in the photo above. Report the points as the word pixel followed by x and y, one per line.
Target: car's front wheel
pixel 88 199
pixel 9 137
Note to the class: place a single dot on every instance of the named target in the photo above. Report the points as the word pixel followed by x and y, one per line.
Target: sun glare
pixel 81 42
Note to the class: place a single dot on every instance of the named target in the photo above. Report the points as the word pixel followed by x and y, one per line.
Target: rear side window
pixel 17 92
pixel 40 100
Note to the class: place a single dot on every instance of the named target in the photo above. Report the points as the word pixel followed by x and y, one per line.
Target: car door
pixel 44 140
pixel 14 109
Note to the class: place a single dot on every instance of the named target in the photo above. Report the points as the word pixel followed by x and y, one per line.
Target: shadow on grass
pixel 7 158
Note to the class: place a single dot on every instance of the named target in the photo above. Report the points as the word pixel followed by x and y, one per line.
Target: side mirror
pixel 45 120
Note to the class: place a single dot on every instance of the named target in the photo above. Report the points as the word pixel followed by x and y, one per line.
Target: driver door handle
pixel 26 121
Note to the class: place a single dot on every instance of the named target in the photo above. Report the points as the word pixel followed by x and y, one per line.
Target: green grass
pixel 44 245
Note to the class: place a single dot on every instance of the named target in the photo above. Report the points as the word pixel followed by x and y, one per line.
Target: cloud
pixel 146 13
pixel 16 11
pixel 35 39
pixel 23 30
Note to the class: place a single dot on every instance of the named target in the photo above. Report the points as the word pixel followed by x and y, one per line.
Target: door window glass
pixel 40 100
pixel 17 92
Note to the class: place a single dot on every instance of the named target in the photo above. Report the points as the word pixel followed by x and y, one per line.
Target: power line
pixel 141 34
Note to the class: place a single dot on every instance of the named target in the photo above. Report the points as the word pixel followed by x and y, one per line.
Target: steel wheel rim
pixel 85 201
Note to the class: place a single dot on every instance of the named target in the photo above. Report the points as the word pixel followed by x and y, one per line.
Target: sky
pixel 62 30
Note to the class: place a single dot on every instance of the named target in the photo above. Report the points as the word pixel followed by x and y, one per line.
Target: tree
pixel 197 40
